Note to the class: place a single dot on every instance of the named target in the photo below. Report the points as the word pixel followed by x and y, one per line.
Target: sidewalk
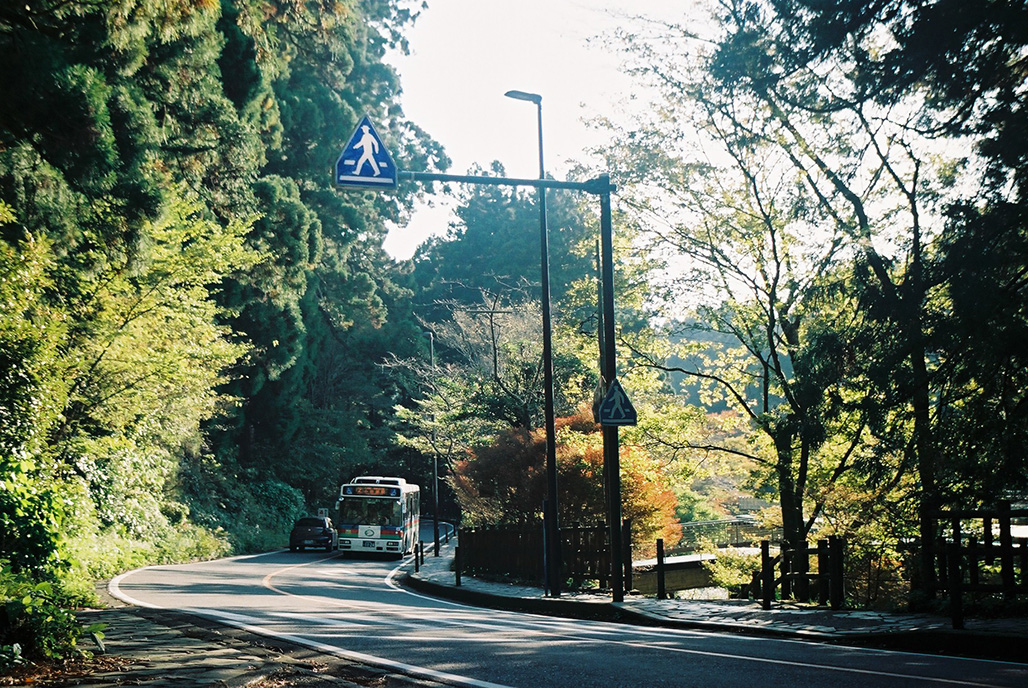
pixel 987 638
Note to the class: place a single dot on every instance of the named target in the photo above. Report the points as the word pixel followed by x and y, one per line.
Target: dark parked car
pixel 313 532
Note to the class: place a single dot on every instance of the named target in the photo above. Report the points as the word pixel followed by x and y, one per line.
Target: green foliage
pixel 31 385
pixel 33 619
pixel 10 656
pixel 32 389
pixel 986 411
pixel 503 224
pixel 729 567
pixel 192 314
pixel 693 506
pixel 103 553
pixel 252 512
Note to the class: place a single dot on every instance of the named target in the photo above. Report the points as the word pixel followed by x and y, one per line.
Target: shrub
pixel 34 620
pixel 731 568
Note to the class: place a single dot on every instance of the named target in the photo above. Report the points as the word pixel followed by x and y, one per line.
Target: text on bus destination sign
pixel 372 491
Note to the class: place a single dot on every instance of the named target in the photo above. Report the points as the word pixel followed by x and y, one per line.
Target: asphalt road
pixel 353 608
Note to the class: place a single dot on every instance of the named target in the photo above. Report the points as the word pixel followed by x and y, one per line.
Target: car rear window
pixel 309 523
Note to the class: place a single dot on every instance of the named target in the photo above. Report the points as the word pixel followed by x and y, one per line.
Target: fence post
pixel 987 540
pixel 661 590
pixel 571 536
pixel 1006 551
pixel 943 563
pixel 972 562
pixel 802 566
pixel 823 575
pixel 1023 556
pixel 546 555
pixel 417 560
pixel 837 571
pixel 786 564
pixel 626 557
pixel 767 573
pixel 956 600
pixel 456 564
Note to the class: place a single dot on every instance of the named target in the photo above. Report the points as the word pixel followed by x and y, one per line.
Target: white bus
pixel 379 514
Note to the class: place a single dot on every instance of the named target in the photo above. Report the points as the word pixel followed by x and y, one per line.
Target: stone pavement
pixel 155 648
pixel 160 648
pixel 989 638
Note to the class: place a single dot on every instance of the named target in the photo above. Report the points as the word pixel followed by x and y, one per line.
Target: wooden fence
pixel 795 579
pixel 517 552
pixel 980 555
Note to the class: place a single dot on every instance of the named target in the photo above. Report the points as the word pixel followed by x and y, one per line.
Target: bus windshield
pixel 371 511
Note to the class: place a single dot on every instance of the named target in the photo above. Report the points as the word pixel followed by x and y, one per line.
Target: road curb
pixel 596 611
pixel 990 646
pixel 600 611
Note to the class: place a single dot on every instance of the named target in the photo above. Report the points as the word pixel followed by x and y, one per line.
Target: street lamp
pixel 550 520
pixel 435 451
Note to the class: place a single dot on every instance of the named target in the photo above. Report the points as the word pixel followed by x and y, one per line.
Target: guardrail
pixel 734 532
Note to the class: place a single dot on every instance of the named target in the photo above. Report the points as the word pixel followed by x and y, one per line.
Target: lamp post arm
pixel 598 186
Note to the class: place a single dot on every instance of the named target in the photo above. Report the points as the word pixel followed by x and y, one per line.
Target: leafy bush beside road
pixel 731 569
pixel 35 620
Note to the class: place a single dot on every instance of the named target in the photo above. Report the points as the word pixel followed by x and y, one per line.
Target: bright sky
pixel 465 54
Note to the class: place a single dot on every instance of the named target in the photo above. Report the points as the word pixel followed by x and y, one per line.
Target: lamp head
pixel 521 95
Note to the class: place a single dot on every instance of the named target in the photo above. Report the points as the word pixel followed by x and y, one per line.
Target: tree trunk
pixel 923 578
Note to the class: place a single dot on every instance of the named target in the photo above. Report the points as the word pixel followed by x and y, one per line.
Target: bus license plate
pixel 369 543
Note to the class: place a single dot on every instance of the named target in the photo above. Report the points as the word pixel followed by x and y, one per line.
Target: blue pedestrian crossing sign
pixel 616 409
pixel 365 160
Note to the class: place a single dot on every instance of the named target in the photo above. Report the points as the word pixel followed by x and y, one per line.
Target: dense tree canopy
pixel 836 225
pixel 192 314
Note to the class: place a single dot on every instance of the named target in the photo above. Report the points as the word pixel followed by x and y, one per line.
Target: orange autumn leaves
pixel 504 482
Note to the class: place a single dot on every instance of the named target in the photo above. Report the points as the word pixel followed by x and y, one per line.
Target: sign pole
pixel 611 457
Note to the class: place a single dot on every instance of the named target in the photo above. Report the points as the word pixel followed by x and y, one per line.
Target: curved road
pixel 352 608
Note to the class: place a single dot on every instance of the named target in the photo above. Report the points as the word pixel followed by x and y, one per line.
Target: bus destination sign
pixel 372 491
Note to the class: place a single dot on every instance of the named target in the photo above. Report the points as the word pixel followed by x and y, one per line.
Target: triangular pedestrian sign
pixel 616 409
pixel 365 160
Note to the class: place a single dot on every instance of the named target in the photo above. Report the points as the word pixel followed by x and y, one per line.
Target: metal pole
pixel 551 431
pixel 435 452
pixel 611 456
pixel 661 587
pixel 550 516
pixel 595 186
